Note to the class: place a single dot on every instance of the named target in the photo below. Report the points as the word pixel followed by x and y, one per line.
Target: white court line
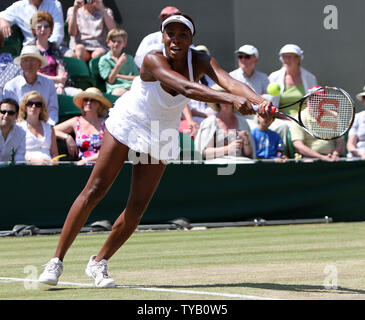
pixel 206 293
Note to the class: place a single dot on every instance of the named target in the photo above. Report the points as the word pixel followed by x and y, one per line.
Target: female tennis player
pixel 168 79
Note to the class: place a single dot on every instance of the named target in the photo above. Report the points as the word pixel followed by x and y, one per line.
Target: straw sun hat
pixel 93 93
pixel 33 52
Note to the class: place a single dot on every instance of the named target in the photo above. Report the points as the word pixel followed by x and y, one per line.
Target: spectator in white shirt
pixel 153 41
pixel 248 57
pixel 12 136
pixel 30 60
pixel 21 11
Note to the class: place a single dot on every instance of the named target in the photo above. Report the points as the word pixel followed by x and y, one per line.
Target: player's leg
pixel 145 180
pixel 110 160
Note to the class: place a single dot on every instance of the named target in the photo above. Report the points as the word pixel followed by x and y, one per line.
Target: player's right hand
pixel 243 106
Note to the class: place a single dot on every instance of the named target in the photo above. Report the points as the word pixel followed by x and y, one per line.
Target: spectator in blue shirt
pixel 269 144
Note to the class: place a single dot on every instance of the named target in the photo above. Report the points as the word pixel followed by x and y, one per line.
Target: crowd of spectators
pixel 36 78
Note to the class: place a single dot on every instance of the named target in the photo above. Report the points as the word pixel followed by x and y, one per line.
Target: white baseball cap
pixel 248 49
pixel 360 95
pixel 292 48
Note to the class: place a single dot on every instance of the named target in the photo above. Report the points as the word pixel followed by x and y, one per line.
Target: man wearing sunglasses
pixel 247 58
pixel 12 136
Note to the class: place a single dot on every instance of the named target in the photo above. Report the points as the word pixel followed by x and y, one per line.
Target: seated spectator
pixel 41 143
pixel 88 25
pixel 247 59
pixel 30 60
pixel 225 134
pixel 116 67
pixel 307 146
pixel 153 41
pixel 5 58
pixel 12 137
pixel 88 128
pixel 42 26
pixel 8 69
pixel 294 81
pixel 268 143
pixel 21 11
pixel 356 136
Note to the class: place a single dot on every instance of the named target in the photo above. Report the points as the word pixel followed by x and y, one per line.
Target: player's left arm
pixel 221 77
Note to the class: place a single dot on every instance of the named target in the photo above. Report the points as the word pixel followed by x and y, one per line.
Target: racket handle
pixel 272 109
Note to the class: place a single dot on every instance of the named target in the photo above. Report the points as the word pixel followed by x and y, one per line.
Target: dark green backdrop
pixel 43 195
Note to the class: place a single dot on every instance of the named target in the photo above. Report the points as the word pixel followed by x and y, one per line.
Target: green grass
pixel 280 262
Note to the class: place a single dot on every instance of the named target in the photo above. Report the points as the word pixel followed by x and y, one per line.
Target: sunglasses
pixel 38 104
pixel 245 56
pixel 89 100
pixel 40 26
pixel 9 112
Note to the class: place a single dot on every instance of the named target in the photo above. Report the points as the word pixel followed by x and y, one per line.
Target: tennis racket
pixel 325 113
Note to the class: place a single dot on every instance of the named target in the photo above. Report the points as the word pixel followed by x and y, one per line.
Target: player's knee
pixel 94 193
pixel 137 207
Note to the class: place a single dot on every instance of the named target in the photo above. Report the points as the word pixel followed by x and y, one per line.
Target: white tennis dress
pixel 147 118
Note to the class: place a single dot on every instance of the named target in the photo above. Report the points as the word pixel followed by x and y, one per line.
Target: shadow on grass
pixel 270 286
pixel 267 286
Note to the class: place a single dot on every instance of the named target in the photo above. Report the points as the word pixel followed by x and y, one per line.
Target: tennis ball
pixel 273 88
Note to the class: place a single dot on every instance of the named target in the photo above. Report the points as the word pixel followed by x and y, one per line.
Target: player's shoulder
pixel 200 58
pixel 153 56
pixel 199 53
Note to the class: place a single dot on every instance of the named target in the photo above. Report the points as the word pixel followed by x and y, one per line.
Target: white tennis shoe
pixel 52 271
pixel 98 272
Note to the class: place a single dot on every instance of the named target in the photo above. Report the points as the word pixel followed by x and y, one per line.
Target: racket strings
pixel 327 113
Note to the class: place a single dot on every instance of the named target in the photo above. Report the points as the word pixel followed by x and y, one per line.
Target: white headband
pixel 179 19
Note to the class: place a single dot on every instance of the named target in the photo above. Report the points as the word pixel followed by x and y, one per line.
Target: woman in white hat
pixel 294 81
pixel 356 137
pixel 88 128
pixel 144 122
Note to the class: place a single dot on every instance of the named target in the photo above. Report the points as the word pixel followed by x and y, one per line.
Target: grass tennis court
pixel 275 262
